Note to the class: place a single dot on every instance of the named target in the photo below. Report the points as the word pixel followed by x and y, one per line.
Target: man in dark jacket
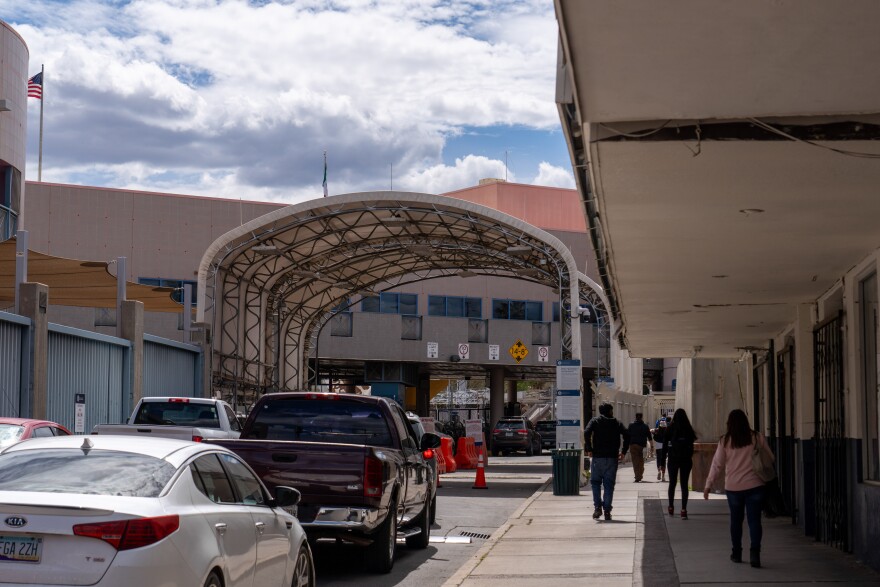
pixel 639 437
pixel 602 442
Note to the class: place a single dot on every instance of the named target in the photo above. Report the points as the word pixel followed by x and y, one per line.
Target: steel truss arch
pixel 270 285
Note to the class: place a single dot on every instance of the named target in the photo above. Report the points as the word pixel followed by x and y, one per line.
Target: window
pixel 211 479
pixel 455 307
pixel 341 324
pixel 411 328
pixel 178 413
pixel 233 420
pixel 42 432
pixel 478 330
pixel 517 310
pixel 248 487
pixel 177 284
pixel 541 333
pixel 391 303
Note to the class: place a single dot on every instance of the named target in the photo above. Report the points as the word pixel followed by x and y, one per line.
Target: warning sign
pixel 518 351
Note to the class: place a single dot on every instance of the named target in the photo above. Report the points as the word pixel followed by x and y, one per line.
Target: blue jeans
pixel 748 504
pixel 603 472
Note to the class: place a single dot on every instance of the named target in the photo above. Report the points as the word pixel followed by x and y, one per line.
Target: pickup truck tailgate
pixel 321 472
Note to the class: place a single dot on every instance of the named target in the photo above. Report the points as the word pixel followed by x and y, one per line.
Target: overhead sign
pixel 433 350
pixel 464 351
pixel 518 351
pixel 494 352
pixel 543 354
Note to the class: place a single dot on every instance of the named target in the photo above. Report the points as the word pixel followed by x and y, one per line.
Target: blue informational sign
pixel 569 406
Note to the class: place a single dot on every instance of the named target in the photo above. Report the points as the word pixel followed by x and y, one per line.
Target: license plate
pixel 22 549
pixel 508 434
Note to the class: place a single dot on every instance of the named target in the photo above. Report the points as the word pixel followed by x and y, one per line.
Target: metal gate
pixel 13 331
pixel 831 470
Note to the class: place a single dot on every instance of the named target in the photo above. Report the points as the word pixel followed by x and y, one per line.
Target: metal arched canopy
pixel 271 283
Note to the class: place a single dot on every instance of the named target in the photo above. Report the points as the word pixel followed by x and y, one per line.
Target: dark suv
pixel 547 430
pixel 513 434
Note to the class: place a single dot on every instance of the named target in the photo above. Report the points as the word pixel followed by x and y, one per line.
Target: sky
pixel 240 99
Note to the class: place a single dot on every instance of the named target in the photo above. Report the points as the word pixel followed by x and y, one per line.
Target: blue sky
pixel 230 98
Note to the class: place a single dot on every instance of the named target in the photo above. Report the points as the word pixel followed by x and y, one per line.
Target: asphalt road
pixel 461 510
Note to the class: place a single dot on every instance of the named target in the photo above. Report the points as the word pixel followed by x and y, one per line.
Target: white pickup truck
pixel 183 418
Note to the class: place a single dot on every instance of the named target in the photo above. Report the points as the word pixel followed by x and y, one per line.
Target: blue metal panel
pixel 12 336
pixel 170 368
pixel 95 365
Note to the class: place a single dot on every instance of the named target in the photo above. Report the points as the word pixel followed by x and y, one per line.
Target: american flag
pixel 35 86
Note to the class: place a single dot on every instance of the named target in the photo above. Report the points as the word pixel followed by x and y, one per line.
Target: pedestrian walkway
pixel 553 540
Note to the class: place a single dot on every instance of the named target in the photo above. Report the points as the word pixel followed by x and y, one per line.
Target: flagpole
pixel 42 100
pixel 325 174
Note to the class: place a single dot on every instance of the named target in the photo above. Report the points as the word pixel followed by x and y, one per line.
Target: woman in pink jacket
pixel 745 490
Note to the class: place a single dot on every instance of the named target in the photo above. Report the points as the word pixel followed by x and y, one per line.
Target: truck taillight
pixel 428 454
pixel 522 432
pixel 128 534
pixel 333 396
pixel 373 477
pixel 178 400
pixel 198 438
pixel 496 431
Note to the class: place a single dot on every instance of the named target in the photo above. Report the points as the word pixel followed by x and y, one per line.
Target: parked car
pixel 547 430
pixel 513 434
pixel 139 512
pixel 430 457
pixel 183 418
pixel 14 430
pixel 362 473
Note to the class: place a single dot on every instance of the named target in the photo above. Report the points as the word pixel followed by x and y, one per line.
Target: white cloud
pixel 253 93
pixel 552 176
pixel 466 172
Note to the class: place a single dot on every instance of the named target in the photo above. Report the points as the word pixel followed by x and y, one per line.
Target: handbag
pixel 762 464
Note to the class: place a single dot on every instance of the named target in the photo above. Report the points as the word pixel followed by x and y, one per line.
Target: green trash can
pixel 566 471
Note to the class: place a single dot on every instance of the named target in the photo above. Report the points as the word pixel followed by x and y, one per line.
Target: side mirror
pixel 286 496
pixel 429 440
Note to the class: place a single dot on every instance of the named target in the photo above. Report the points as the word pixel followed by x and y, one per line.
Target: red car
pixel 13 430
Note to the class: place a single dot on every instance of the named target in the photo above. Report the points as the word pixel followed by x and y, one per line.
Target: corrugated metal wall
pixel 170 368
pixel 94 365
pixel 11 339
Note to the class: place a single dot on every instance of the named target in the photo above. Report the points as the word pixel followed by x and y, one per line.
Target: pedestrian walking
pixel 659 434
pixel 680 458
pixel 744 489
pixel 602 441
pixel 639 437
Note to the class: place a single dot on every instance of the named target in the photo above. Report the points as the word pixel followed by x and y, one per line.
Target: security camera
pixel 585 310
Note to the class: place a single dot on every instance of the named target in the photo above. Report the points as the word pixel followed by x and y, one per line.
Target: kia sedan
pixel 137 512
pixel 14 430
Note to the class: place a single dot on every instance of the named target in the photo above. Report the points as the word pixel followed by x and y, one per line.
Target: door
pixel 232 522
pixel 273 542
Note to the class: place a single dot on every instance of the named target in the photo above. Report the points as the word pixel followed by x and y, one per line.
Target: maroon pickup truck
pixel 355 460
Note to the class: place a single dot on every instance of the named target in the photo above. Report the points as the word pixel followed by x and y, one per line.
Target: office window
pixel 177 284
pixel 517 310
pixel 478 330
pixel 391 303
pixel 541 333
pixel 411 328
pixel 341 324
pixel 455 307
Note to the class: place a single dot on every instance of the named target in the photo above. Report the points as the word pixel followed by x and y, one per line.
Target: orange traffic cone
pixel 480 481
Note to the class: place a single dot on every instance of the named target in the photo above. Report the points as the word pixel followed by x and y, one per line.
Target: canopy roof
pixel 72 282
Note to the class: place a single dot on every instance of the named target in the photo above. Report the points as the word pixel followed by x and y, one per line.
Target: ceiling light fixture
pixel 519 250
pixel 266 250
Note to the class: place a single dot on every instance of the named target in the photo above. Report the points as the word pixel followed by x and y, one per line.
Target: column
pixel 33 301
pixel 496 395
pixel 130 324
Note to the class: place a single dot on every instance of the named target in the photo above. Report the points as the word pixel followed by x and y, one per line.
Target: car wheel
pixel 213 580
pixel 422 539
pixel 434 509
pixel 304 571
pixel 380 554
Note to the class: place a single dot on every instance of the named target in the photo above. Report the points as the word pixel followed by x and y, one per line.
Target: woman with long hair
pixel 680 458
pixel 744 489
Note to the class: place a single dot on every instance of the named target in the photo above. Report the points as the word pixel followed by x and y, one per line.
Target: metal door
pixel 832 479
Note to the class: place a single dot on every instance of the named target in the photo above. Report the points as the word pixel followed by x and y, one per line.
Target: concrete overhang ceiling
pixel 713 226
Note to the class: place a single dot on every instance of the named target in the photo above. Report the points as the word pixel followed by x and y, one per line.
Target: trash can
pixel 566 471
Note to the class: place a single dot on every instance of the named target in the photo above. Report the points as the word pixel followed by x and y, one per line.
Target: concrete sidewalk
pixel 553 540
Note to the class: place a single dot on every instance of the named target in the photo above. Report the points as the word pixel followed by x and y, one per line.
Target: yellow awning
pixel 85 284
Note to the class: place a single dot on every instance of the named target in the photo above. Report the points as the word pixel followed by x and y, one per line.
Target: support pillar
pixel 33 301
pixel 201 335
pixel 511 398
pixel 423 396
pixel 496 395
pixel 130 324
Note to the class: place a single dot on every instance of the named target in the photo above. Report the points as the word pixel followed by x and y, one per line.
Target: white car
pixel 125 511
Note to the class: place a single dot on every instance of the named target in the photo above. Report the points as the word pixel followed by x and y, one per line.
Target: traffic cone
pixel 480 481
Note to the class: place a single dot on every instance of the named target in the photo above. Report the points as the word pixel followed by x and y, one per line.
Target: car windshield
pixel 511 425
pixel 10 434
pixel 545 426
pixel 178 413
pixel 95 472
pixel 336 421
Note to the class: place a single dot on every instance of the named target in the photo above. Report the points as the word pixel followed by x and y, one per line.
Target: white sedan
pixel 124 511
